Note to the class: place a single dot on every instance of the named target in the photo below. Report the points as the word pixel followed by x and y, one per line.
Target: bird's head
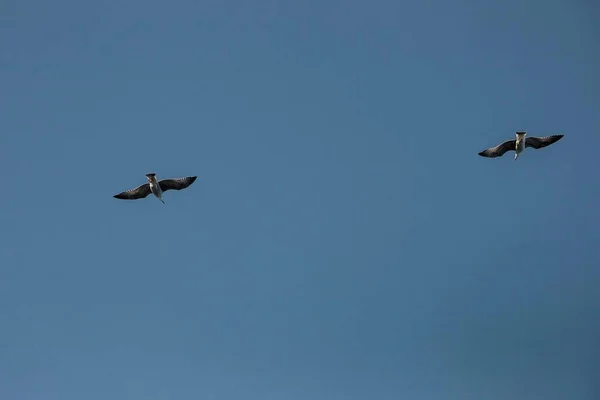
pixel 521 134
pixel 150 176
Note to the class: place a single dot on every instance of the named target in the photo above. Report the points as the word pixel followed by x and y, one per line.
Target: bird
pixel 519 144
pixel 155 187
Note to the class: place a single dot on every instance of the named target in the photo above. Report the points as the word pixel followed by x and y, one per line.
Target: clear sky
pixel 343 239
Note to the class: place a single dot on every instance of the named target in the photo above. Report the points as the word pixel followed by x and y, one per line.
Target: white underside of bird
pixel 519 144
pixel 155 188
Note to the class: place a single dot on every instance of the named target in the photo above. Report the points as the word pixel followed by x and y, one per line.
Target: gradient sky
pixel 343 239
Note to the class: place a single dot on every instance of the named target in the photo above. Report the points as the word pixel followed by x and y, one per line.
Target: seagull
pixel 155 187
pixel 519 144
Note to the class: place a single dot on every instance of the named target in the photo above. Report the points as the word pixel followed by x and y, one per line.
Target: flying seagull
pixel 155 187
pixel 519 144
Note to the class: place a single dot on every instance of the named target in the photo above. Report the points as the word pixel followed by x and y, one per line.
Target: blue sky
pixel 343 239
